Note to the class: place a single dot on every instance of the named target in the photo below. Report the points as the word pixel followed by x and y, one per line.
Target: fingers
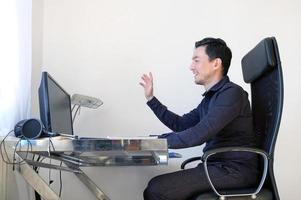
pixel 147 78
pixel 142 84
pixel 151 76
pixel 144 77
pixel 147 83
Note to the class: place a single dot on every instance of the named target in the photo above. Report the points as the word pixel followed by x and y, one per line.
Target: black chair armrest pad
pixel 189 161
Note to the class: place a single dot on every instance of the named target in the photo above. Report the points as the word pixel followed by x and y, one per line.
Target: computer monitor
pixel 55 106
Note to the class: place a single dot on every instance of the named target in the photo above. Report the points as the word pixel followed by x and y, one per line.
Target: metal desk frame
pixel 77 153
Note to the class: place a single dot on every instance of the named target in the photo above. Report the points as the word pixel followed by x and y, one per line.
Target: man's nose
pixel 191 66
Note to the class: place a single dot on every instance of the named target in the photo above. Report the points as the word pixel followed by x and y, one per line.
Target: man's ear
pixel 218 63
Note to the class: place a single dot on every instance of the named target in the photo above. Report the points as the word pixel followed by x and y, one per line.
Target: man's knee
pixel 147 194
pixel 154 190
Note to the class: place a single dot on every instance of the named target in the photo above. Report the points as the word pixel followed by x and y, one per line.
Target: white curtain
pixel 15 74
pixel 15 62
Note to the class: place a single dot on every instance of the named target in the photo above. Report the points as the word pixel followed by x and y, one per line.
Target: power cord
pixel 60 171
pixel 13 162
pixel 4 153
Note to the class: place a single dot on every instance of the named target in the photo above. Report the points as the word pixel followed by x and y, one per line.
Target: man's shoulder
pixel 233 86
pixel 230 93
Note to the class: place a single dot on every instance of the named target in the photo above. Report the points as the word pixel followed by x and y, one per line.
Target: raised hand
pixel 147 84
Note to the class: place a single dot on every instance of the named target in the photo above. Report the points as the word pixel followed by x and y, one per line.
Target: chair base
pixel 264 194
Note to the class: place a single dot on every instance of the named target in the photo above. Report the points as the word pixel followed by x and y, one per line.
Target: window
pixel 15 62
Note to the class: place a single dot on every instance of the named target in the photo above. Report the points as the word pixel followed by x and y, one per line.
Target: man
pixel 222 119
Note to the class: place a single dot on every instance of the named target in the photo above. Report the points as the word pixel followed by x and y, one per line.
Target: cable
pixel 7 160
pixel 2 142
pixel 61 181
pixel 73 119
pixel 15 151
pixel 35 168
pixel 49 171
pixel 73 107
pixel 38 168
pixel 14 155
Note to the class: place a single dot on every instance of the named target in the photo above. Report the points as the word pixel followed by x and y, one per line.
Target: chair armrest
pixel 264 155
pixel 229 149
pixel 190 160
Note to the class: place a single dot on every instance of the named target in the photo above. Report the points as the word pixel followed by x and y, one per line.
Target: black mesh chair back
pixel 262 69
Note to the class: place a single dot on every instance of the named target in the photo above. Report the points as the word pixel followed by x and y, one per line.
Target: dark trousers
pixel 187 184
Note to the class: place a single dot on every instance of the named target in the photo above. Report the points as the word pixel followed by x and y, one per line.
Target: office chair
pixel 262 69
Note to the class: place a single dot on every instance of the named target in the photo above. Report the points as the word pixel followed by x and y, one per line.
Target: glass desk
pixel 77 153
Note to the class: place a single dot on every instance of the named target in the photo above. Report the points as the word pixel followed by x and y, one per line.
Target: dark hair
pixel 217 48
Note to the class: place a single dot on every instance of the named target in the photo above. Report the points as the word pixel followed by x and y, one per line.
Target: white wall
pixel 100 48
pixel 37 50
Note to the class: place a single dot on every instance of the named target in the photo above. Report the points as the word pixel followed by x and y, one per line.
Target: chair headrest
pixel 259 60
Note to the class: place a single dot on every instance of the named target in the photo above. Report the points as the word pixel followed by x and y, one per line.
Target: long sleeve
pixel 225 108
pixel 171 120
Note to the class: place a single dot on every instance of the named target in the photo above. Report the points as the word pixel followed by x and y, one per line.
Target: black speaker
pixel 29 128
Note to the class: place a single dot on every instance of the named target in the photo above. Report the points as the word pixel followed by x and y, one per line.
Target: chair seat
pixel 264 194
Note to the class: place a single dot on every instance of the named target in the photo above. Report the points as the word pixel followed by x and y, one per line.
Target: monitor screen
pixel 55 106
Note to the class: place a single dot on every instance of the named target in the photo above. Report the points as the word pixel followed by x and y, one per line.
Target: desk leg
pixel 35 181
pixel 88 182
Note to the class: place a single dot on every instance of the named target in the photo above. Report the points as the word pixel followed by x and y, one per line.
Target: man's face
pixel 201 66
